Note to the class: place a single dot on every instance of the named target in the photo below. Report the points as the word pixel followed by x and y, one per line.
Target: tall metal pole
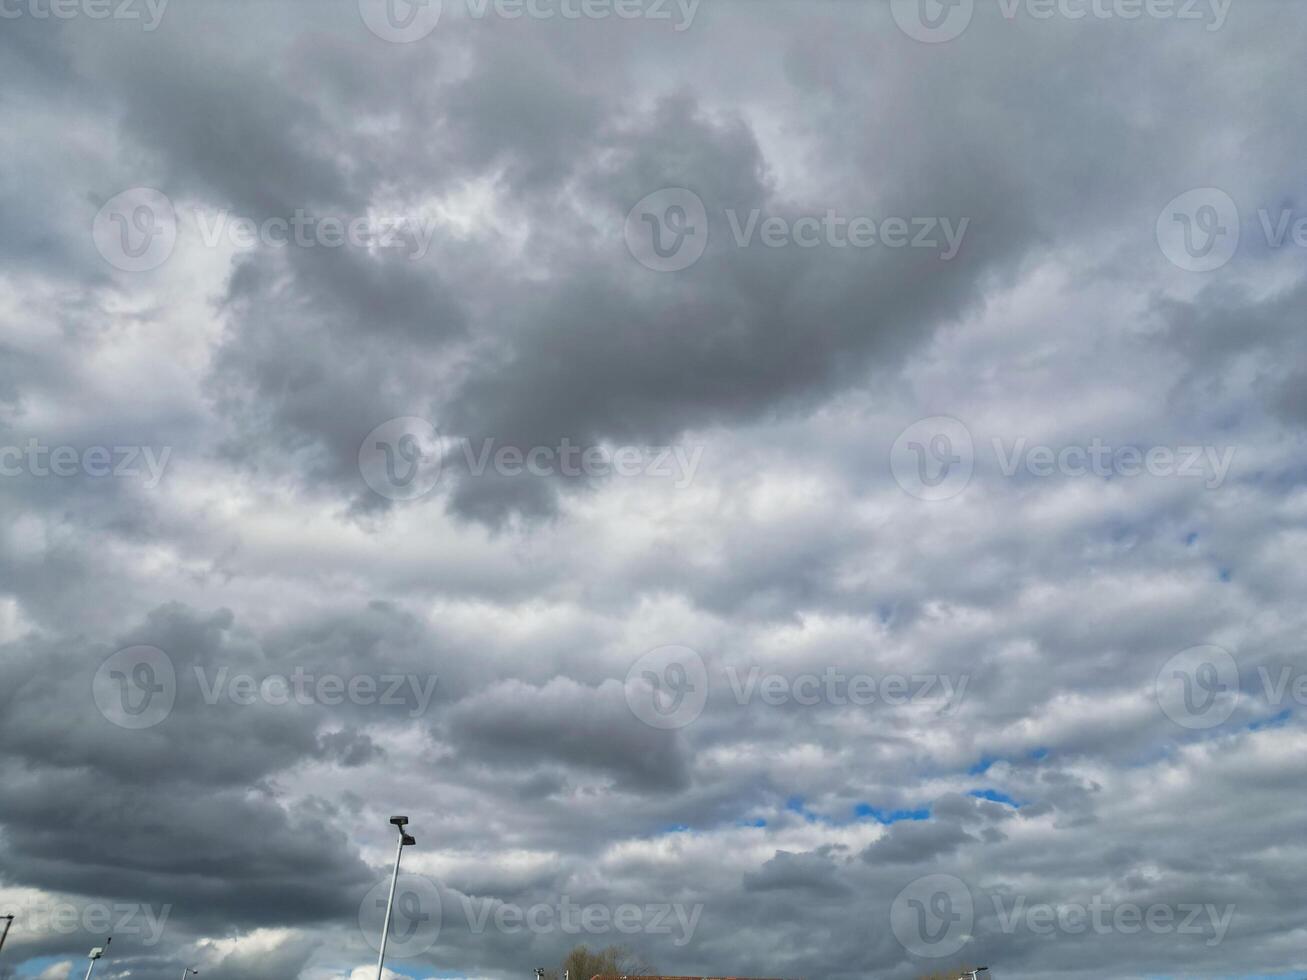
pixel 385 928
pixel 9 920
pixel 95 954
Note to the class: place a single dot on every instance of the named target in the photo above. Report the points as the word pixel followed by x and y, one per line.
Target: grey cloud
pixel 564 723
pixel 527 776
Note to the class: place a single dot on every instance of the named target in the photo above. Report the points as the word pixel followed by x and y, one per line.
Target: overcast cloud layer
pixel 809 489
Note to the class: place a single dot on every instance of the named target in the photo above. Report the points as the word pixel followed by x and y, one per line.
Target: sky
pixel 797 489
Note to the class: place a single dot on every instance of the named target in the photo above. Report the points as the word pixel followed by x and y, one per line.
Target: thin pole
pixel 100 950
pixel 9 920
pixel 385 928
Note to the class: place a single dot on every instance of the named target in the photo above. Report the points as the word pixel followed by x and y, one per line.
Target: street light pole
pixel 404 838
pixel 974 974
pixel 9 920
pixel 189 972
pixel 94 955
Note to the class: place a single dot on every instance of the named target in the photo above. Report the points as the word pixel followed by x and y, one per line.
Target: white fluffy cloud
pixel 935 531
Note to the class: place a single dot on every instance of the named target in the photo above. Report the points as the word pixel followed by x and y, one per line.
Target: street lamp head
pixel 399 821
pixel 98 951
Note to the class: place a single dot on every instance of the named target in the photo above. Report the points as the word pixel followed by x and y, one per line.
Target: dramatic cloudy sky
pixel 908 572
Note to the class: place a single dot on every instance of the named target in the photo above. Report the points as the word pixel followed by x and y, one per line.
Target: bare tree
pixel 582 963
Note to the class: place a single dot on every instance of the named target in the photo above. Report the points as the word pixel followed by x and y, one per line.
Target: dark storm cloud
pixel 911 843
pixel 786 871
pixel 565 723
pixel 523 600
pixel 182 814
